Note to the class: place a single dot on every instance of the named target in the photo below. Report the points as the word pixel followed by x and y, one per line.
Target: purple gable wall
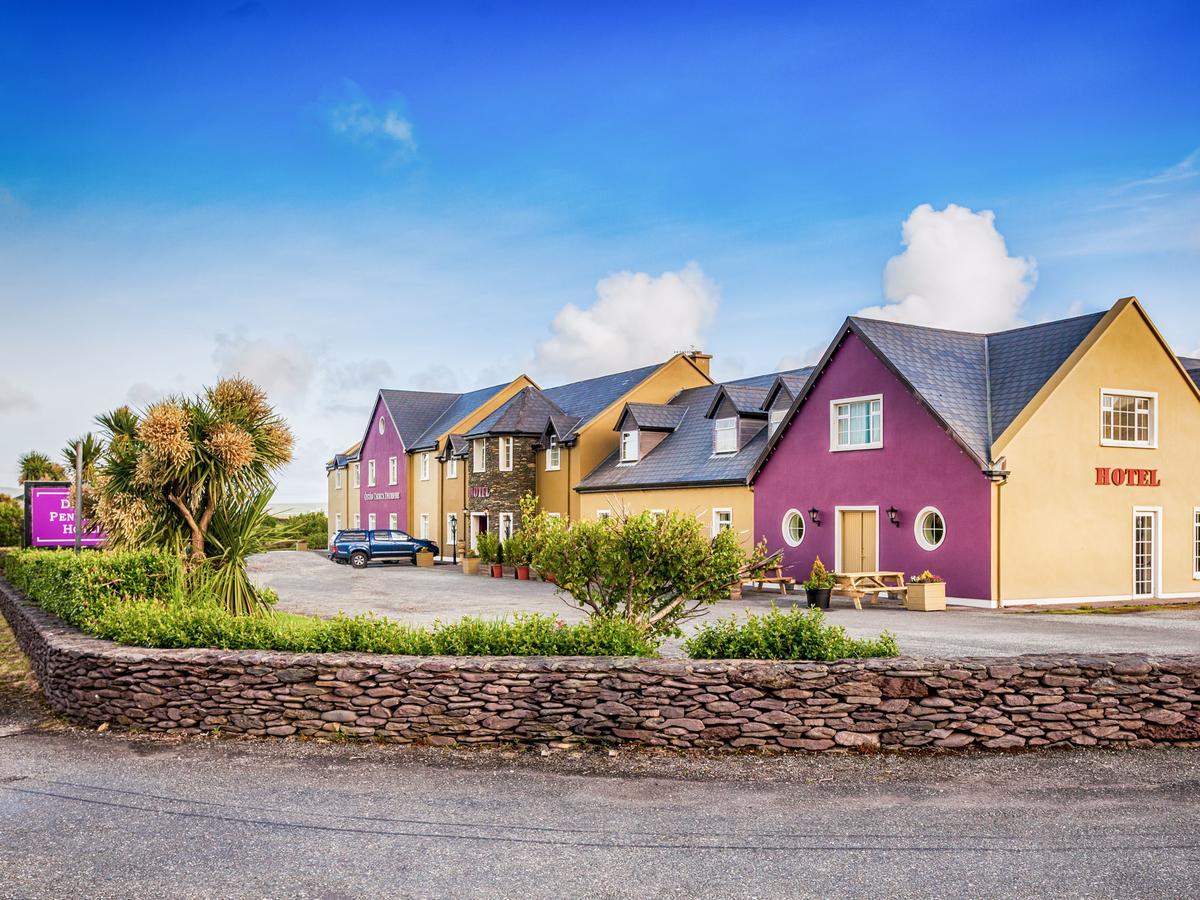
pixel 380 447
pixel 919 465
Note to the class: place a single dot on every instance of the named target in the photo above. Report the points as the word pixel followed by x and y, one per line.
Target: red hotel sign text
pixel 1127 477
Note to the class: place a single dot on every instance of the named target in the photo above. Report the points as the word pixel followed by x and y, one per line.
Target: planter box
pixel 470 565
pixel 926 597
pixel 424 559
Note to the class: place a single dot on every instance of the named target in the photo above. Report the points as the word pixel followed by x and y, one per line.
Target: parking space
pixel 309 583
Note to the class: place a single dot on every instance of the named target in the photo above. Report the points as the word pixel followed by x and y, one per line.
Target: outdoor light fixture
pixel 815 515
pixel 894 516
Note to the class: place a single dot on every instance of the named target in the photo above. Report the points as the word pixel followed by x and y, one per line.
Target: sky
pixel 334 198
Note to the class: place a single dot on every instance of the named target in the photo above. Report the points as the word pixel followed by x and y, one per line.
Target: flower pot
pixel 470 565
pixel 424 558
pixel 735 591
pixel 497 570
pixel 928 597
pixel 818 598
pixel 522 573
pixel 548 577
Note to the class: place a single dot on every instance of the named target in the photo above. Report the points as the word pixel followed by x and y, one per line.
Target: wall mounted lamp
pixel 815 515
pixel 893 516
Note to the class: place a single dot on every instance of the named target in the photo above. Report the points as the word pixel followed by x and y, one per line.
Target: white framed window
pixel 1128 418
pixel 793 528
pixel 358 520
pixel 452 527
pixel 504 447
pixel 452 467
pixel 506 526
pixel 1196 543
pixel 370 473
pixel 357 476
pixel 629 446
pixel 856 423
pixel 382 427
pixel 479 452
pixel 424 532
pixel 371 521
pixel 603 514
pixel 725 435
pixel 337 479
pixel 425 466
pixel 337 523
pixel 393 521
pixel 393 470
pixel 775 419
pixel 553 455
pixel 722 520
pixel 929 528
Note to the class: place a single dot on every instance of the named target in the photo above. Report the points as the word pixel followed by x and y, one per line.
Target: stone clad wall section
pixel 908 703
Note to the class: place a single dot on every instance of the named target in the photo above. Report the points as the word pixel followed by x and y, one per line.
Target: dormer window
pixel 629 446
pixel 553 455
pixel 725 435
pixel 775 419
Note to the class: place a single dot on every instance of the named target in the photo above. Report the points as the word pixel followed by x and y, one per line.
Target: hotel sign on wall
pixel 1127 477
pixel 382 495
pixel 480 492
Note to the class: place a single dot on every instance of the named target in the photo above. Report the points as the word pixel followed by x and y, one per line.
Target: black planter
pixel 818 597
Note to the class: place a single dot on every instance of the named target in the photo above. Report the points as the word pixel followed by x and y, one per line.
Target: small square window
pixel 856 423
pixel 722 521
pixel 553 455
pixel 1128 419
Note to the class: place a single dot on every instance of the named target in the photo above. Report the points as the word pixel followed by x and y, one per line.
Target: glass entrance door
pixel 1145 547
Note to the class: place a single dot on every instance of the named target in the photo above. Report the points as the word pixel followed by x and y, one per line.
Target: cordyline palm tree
pixel 35 466
pixel 93 448
pixel 166 473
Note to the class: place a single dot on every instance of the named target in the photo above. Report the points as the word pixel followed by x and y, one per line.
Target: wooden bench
pixel 857 585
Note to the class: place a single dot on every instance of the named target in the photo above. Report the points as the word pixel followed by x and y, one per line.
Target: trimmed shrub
pixel 799 634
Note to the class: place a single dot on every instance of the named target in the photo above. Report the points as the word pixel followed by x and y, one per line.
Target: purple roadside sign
pixel 52 519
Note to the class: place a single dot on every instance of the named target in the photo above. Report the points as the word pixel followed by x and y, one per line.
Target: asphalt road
pixel 309 583
pixel 117 816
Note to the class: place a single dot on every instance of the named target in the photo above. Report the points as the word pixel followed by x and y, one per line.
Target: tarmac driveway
pixel 309 583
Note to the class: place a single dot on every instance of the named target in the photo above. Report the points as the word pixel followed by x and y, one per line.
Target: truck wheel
pixel 358 559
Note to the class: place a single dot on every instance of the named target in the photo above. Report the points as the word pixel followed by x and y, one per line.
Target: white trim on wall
pixel 837 532
pixel 919 530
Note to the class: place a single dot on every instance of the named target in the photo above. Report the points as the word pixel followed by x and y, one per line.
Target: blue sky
pixel 290 190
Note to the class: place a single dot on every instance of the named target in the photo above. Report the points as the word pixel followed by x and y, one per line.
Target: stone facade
pixel 1115 700
pixel 496 492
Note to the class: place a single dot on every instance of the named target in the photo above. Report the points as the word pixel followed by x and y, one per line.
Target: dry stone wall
pixel 1117 700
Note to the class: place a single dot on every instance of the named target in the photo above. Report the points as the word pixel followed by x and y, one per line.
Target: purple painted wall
pixel 382 499
pixel 919 465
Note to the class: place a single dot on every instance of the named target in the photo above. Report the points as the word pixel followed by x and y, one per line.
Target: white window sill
pixel 836 449
pixel 1129 445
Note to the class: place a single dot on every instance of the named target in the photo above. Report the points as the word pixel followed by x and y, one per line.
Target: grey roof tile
pixel 768 379
pixel 414 411
pixel 748 401
pixel 1193 368
pixel 525 413
pixel 461 407
pixel 652 416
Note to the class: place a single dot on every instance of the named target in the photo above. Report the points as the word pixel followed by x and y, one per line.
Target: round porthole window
pixel 930 528
pixel 793 527
pixel 381 424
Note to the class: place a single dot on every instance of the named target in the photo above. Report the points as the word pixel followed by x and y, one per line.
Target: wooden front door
pixel 858 541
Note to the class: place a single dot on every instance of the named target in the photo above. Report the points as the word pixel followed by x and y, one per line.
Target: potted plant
pixel 517 551
pixel 489 547
pixel 424 557
pixel 818 585
pixel 470 562
pixel 497 558
pixel 925 593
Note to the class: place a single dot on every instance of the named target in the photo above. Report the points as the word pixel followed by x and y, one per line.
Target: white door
pixel 1145 553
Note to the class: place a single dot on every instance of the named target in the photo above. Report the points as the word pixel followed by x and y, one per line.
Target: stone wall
pixel 1118 700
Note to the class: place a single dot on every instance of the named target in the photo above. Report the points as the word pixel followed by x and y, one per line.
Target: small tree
pixel 11 520
pixel 36 466
pixel 654 572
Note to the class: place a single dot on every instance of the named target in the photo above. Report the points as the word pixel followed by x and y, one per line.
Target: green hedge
pixel 137 599
pixel 799 634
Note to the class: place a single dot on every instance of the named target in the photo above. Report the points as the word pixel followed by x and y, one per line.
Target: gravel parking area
pixel 309 583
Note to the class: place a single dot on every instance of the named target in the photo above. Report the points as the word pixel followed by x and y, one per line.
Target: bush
pixel 137 598
pixel 313 528
pixel 12 518
pixel 795 634
pixel 80 589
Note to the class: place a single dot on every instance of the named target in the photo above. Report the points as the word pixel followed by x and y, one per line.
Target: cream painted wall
pixel 556 490
pixel 1061 535
pixel 700 502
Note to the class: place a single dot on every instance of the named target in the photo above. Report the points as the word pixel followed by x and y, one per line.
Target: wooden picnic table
pixel 771 575
pixel 861 584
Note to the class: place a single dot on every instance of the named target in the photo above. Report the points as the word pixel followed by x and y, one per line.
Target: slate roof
pixel 977 384
pixel 1193 368
pixel 457 445
pixel 579 400
pixel 461 407
pixel 685 457
pixel 525 413
pixel 747 401
pixel 414 411
pixel 341 460
pixel 798 376
pixel 652 416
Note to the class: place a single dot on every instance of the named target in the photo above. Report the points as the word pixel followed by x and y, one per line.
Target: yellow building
pixel 342 502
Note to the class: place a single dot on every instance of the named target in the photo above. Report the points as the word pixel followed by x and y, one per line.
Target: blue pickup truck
pixel 359 547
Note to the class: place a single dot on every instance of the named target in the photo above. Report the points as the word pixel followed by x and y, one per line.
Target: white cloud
pixel 141 394
pixel 637 319
pixel 14 398
pixel 806 356
pixel 955 272
pixel 436 377
pixel 384 126
pixel 284 371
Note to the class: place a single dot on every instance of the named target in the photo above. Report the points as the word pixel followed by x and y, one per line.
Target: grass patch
pixel 1123 609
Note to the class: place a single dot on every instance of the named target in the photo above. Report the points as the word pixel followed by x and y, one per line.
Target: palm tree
pixel 93 448
pixel 36 466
